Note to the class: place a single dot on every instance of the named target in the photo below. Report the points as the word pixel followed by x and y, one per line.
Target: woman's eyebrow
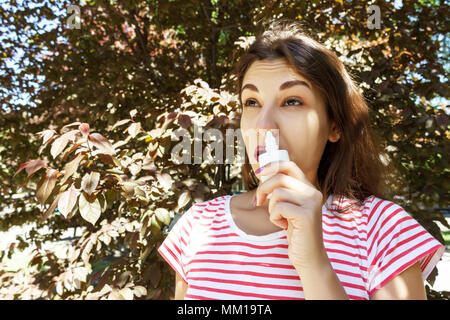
pixel 284 86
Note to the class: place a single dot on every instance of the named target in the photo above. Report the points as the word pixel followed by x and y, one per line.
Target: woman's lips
pixel 258 151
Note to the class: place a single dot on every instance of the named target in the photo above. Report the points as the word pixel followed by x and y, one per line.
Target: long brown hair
pixel 350 167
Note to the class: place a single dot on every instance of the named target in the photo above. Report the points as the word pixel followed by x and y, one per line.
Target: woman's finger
pixel 288 167
pixel 281 212
pixel 280 180
pixel 281 194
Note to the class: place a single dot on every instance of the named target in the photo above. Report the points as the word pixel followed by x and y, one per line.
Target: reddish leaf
pixel 90 211
pixel 71 125
pixel 60 143
pixel 120 123
pixel 172 115
pixel 71 149
pixel 67 201
pixel 84 129
pixel 31 166
pixel 46 135
pixel 90 182
pixel 72 166
pixel 45 185
pixel 184 121
pixel 101 143
pixel 71 135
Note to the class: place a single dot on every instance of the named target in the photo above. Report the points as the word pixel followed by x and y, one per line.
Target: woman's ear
pixel 335 133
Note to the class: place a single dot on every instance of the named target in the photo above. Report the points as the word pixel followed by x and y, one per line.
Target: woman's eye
pixel 247 103
pixel 296 101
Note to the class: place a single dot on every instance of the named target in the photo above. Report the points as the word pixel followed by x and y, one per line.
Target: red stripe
pixel 193 296
pixel 201 216
pixel 250 273
pixel 346 253
pixel 344 227
pixel 247 254
pixel 345 244
pixel 247 283
pixel 220 228
pixel 375 208
pixel 189 223
pixel 343 219
pixel 209 223
pixel 186 234
pixel 337 204
pixel 348 263
pixel 350 274
pixel 356 297
pixel 245 294
pixel 352 285
pixel 225 235
pixel 337 233
pixel 242 263
pixel 357 210
pixel 216 204
pixel 285 246
pixel 425 262
pixel 201 204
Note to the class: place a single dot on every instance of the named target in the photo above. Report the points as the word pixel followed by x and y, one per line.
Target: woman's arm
pixel 320 282
pixel 180 287
pixel 408 285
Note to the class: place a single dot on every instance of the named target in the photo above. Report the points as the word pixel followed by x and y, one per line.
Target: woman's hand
pixel 295 205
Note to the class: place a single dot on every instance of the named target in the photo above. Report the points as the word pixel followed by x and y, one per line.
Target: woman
pixel 326 232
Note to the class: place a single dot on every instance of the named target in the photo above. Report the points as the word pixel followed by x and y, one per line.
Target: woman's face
pixel 294 112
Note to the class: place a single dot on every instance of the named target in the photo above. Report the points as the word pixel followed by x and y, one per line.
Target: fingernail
pixel 259 170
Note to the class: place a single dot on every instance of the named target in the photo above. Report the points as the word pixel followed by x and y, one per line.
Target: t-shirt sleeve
pixel 173 248
pixel 396 241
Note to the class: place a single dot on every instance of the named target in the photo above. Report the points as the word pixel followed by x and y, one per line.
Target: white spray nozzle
pixel 271 144
pixel 272 154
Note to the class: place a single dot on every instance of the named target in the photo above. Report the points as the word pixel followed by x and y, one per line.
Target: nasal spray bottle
pixel 272 154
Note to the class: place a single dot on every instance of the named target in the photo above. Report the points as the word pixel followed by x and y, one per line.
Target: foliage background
pixel 136 71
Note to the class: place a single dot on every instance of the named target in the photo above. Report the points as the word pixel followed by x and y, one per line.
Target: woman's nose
pixel 267 121
pixel 266 118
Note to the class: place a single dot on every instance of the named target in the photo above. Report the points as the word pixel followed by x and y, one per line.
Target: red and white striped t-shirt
pixel 367 247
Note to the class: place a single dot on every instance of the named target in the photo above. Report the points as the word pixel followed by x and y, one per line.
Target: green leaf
pixel 163 215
